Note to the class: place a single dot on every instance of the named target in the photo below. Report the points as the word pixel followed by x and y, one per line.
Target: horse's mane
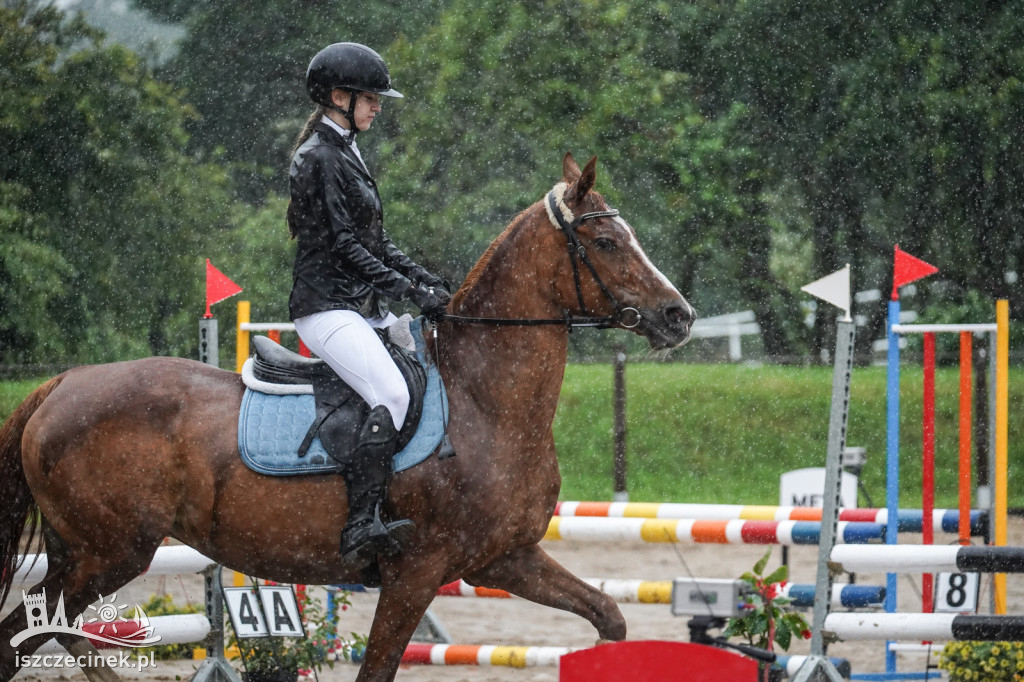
pixel 474 275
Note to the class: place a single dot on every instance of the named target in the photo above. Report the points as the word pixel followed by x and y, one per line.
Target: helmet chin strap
pixel 350 115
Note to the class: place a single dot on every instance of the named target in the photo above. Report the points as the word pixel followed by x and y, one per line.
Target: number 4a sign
pixel 956 592
pixel 273 613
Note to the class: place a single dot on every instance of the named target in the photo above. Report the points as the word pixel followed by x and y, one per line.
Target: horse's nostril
pixel 678 316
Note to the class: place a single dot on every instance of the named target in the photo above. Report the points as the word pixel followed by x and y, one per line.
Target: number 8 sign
pixel 956 592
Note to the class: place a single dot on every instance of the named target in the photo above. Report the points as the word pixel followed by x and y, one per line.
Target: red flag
pixel 907 269
pixel 218 287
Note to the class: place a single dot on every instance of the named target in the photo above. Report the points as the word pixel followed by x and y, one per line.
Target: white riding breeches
pixel 347 342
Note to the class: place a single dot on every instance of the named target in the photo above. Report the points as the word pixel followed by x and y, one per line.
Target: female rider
pixel 346 269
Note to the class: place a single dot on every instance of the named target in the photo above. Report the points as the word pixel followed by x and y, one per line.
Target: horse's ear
pixel 584 182
pixel 570 171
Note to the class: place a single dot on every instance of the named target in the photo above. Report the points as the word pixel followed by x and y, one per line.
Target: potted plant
pixel 283 659
pixel 768 619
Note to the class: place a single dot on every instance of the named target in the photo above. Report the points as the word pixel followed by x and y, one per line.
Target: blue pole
pixel 892 462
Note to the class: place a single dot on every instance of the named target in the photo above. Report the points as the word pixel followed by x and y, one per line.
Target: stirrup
pixel 392 537
pixel 383 538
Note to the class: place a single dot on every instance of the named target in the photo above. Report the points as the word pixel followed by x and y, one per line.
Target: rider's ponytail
pixel 307 129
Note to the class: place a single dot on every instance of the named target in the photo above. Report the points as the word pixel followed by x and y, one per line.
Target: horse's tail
pixel 18 511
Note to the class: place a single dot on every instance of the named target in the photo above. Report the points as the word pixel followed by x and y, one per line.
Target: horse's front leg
pixel 530 573
pixel 407 587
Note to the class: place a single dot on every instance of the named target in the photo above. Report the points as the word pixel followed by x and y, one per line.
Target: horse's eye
pixel 604 244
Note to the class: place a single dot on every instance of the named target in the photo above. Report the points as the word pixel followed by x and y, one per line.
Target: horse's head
pixel 614 276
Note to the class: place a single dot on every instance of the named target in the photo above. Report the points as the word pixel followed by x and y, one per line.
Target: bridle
pixel 564 220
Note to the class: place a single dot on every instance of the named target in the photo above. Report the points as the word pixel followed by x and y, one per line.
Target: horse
pixel 103 462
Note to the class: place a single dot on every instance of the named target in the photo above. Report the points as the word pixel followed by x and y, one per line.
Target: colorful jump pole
pixel 928 463
pixel 906 269
pixel 966 426
pixel 1002 424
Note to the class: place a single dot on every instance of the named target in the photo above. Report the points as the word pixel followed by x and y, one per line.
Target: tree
pixel 108 216
pixel 501 95
pixel 243 65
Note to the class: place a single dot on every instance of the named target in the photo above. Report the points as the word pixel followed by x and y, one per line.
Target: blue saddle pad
pixel 271 428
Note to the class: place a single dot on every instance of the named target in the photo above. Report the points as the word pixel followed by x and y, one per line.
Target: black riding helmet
pixel 349 66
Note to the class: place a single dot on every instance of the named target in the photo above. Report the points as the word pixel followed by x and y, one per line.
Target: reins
pixel 577 254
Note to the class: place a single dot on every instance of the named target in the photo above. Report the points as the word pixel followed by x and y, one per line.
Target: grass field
pixel 724 433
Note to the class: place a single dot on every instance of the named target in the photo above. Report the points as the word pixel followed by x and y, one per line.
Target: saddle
pixel 340 411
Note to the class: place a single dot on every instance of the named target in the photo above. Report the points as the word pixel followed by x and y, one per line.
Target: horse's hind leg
pixel 79 577
pixel 530 573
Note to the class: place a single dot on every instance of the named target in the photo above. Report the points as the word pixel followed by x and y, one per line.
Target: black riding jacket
pixel 344 259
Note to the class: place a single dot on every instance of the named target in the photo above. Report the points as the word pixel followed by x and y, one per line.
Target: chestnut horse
pixel 117 457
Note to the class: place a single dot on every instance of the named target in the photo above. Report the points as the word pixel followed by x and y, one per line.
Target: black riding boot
pixel 365 535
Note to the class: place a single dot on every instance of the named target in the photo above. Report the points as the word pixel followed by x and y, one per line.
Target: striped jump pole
pixel 907 520
pixel 536 656
pixel 178 629
pixel 701 531
pixel 172 560
pixel 660 592
pixel 623 591
pixel 843 596
pixel 927 558
pixel 483 654
pixel 924 627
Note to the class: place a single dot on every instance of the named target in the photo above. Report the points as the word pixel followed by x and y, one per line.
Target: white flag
pixel 834 289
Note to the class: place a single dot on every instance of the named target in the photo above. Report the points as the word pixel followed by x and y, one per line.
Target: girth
pixel 340 411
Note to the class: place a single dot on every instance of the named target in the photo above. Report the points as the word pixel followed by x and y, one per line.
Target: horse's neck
pixel 513 367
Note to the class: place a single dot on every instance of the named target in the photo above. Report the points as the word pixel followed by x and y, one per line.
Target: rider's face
pixel 367 106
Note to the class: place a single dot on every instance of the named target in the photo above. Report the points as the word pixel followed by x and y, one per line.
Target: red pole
pixel 274 335
pixel 966 424
pixel 928 466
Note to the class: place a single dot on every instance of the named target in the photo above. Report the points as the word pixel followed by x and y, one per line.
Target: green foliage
pixel 106 218
pixel 243 66
pixel 768 619
pixel 754 147
pixel 303 654
pixel 983 661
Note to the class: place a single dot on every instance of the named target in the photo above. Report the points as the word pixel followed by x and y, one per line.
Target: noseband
pixel 557 211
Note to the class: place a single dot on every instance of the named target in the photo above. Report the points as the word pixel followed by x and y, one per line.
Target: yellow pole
pixel 241 355
pixel 1002 428
pixel 241 336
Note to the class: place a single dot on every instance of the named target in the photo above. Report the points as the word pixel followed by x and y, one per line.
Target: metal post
pixel 208 351
pixel 818 661
pixel 215 667
pixel 621 493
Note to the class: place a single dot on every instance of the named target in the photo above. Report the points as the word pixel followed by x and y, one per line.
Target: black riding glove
pixel 434 281
pixel 430 301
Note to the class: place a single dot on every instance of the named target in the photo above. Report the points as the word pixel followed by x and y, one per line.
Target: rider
pixel 345 269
